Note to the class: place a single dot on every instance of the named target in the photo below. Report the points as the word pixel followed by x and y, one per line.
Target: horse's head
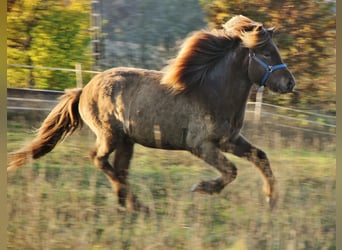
pixel 200 61
pixel 266 67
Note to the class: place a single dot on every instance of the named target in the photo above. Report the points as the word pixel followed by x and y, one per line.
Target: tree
pixel 305 35
pixel 47 33
pixel 21 17
pixel 144 33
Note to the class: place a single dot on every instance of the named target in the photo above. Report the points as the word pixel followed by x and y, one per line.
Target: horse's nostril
pixel 291 83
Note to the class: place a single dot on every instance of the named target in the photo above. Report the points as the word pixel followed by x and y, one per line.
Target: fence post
pixel 258 103
pixel 79 81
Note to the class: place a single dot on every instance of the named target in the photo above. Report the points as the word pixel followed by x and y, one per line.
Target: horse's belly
pixel 159 135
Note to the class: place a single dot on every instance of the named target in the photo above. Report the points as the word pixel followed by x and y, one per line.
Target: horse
pixel 196 103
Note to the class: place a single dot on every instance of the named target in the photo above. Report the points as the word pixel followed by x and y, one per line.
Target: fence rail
pixel 52 68
pixel 273 126
pixel 45 100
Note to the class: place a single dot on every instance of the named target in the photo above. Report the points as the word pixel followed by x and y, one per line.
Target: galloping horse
pixel 196 103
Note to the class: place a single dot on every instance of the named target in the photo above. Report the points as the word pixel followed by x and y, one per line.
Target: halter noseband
pixel 268 68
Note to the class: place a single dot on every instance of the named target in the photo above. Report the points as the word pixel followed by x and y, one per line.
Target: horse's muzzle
pixel 287 86
pixel 291 84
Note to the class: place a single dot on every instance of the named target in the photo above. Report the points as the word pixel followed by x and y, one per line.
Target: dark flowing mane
pixel 205 49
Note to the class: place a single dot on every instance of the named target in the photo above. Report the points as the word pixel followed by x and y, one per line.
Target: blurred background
pixel 63 202
pixel 102 34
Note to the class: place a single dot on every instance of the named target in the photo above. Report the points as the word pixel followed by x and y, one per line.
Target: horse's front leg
pixel 213 156
pixel 242 148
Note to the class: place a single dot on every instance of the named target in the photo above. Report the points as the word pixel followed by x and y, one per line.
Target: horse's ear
pixel 271 31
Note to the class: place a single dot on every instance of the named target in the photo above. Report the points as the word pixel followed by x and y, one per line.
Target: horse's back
pixel 102 99
pixel 134 102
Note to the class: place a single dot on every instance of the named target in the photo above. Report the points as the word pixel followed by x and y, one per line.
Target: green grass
pixel 62 202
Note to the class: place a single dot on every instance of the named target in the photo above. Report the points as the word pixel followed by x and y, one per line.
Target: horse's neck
pixel 226 92
pixel 228 103
pixel 236 88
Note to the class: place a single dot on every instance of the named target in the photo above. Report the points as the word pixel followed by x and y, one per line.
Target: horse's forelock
pixel 251 33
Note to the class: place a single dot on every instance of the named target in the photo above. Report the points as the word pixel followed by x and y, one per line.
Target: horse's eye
pixel 267 55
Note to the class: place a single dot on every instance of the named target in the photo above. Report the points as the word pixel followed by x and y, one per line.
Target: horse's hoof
pixel 208 187
pixel 201 187
pixel 139 207
pixel 143 209
pixel 272 201
pixel 196 188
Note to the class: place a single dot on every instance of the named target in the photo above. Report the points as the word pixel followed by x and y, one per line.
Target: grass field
pixel 62 202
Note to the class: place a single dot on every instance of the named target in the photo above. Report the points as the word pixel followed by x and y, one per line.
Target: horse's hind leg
pixel 123 156
pixel 242 148
pixel 118 173
pixel 212 155
pixel 100 154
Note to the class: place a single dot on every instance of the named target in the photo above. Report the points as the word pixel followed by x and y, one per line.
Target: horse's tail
pixel 62 121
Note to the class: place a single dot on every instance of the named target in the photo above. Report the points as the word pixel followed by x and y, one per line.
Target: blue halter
pixel 268 68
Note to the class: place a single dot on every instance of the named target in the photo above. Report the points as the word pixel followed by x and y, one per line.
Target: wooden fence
pixel 271 125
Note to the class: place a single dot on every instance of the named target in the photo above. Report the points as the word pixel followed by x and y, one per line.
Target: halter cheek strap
pixel 268 68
